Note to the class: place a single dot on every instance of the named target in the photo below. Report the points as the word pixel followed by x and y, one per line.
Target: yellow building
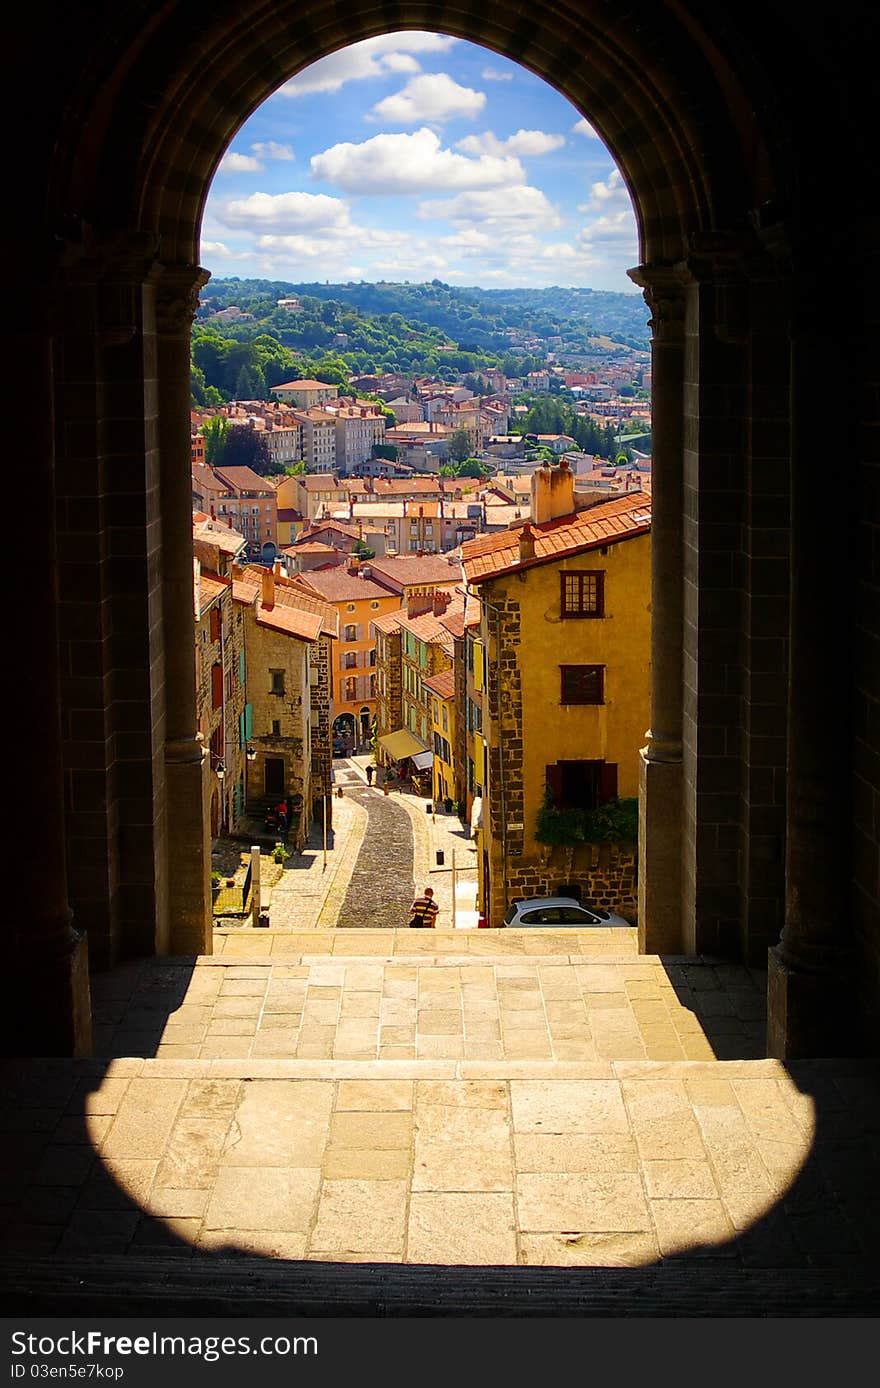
pixel 440 697
pixel 358 600
pixel 566 629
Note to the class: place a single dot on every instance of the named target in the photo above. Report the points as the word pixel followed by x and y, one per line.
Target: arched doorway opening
pixel 704 153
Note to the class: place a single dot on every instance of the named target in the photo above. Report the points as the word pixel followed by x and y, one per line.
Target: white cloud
pixel 583 127
pixel 284 213
pixel 434 96
pixel 524 142
pixel 410 164
pixel 233 163
pixel 491 74
pixel 371 58
pixel 520 204
pixel 617 226
pixel 214 248
pixel 271 149
pixel 612 193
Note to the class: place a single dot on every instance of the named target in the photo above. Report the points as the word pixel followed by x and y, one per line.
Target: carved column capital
pixel 663 289
pixel 177 297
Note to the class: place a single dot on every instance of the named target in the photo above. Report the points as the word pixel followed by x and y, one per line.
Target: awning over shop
pixel 401 744
pixel 423 760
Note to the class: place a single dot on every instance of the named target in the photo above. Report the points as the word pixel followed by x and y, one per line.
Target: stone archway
pixel 141 119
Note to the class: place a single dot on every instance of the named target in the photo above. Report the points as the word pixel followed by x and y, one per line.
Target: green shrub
pixel 216 879
pixel 616 822
pixel 279 853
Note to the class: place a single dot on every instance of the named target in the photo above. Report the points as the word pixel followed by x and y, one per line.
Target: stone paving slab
pixel 392 1007
pixel 444 1163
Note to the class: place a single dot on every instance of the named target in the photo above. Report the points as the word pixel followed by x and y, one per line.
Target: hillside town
pixel 364 599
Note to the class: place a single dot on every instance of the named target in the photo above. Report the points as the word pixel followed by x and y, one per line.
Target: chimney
pixel 441 601
pixel 278 568
pixel 417 604
pixel 526 544
pixel 552 492
pixel 354 564
pixel 268 595
pixel 237 570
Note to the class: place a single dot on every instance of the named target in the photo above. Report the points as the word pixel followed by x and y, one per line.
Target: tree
pixel 472 467
pixel 362 550
pixel 214 432
pixel 246 448
pixel 385 450
pixel 459 446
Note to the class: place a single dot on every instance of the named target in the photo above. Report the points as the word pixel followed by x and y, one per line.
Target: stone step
pixel 246 1287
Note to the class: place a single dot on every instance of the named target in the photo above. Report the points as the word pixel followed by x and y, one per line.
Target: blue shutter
pixel 248 721
pixel 241 666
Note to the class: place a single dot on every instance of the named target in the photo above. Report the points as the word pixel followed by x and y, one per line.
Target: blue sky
pixel 416 156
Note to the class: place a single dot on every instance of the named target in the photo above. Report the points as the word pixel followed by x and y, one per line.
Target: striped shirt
pixel 425 910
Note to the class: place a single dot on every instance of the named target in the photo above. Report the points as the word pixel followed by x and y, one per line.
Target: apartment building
pixel 566 630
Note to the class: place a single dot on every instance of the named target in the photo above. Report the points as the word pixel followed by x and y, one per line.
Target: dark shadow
pixel 77 1240
pixel 728 1000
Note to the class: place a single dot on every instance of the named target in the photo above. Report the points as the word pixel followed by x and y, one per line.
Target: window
pixel 583 593
pixel 216 686
pixel 215 623
pixel 582 785
pixel 582 684
pixel 349 607
pixel 374 605
pixel 350 660
pixel 277 677
pixel 276 727
pixel 350 633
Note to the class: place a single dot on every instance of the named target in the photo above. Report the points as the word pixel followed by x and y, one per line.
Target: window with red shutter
pixel 216 686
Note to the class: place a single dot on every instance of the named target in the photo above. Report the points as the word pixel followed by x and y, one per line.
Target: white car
pixel 559 911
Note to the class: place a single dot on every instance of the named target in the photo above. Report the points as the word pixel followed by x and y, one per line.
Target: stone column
pixel 811 994
pixel 45 1005
pixel 660 773
pixel 188 926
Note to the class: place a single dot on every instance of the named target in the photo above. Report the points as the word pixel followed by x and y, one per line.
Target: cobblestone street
pixel 381 889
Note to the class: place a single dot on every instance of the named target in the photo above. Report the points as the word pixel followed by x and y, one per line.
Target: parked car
pixel 559 911
pixel 340 747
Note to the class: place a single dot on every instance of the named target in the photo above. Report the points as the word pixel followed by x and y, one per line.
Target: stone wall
pixel 320 656
pixel 604 872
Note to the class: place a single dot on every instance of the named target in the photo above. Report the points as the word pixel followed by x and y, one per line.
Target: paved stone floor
pixel 581 999
pixel 610 1163
pixel 459 1100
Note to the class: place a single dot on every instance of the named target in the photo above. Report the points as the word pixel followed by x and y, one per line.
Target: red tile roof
pixel 389 622
pixel 410 569
pixel 210 588
pixel 442 684
pixel 245 479
pixel 335 583
pixel 487 556
pixel 302 614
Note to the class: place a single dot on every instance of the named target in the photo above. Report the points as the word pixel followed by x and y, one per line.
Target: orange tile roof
pixel 389 622
pixel 308 617
pixel 334 583
pixel 245 479
pixel 408 569
pixel 487 556
pixel 210 588
pixel 442 684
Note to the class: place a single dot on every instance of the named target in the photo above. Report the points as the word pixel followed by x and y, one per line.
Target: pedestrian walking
pixel 369 773
pixel 424 911
pixel 281 811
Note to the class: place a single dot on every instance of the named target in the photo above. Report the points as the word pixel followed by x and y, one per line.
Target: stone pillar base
pixel 46 1003
pixel 190 924
pixel 660 898
pixel 810 1016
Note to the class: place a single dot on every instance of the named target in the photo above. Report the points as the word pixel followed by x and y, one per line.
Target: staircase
pixel 472 1123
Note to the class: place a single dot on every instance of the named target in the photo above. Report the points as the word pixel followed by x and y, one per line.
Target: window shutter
pixel 554 783
pixel 248 721
pixel 241 666
pixel 215 624
pixel 607 782
pixel 216 686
